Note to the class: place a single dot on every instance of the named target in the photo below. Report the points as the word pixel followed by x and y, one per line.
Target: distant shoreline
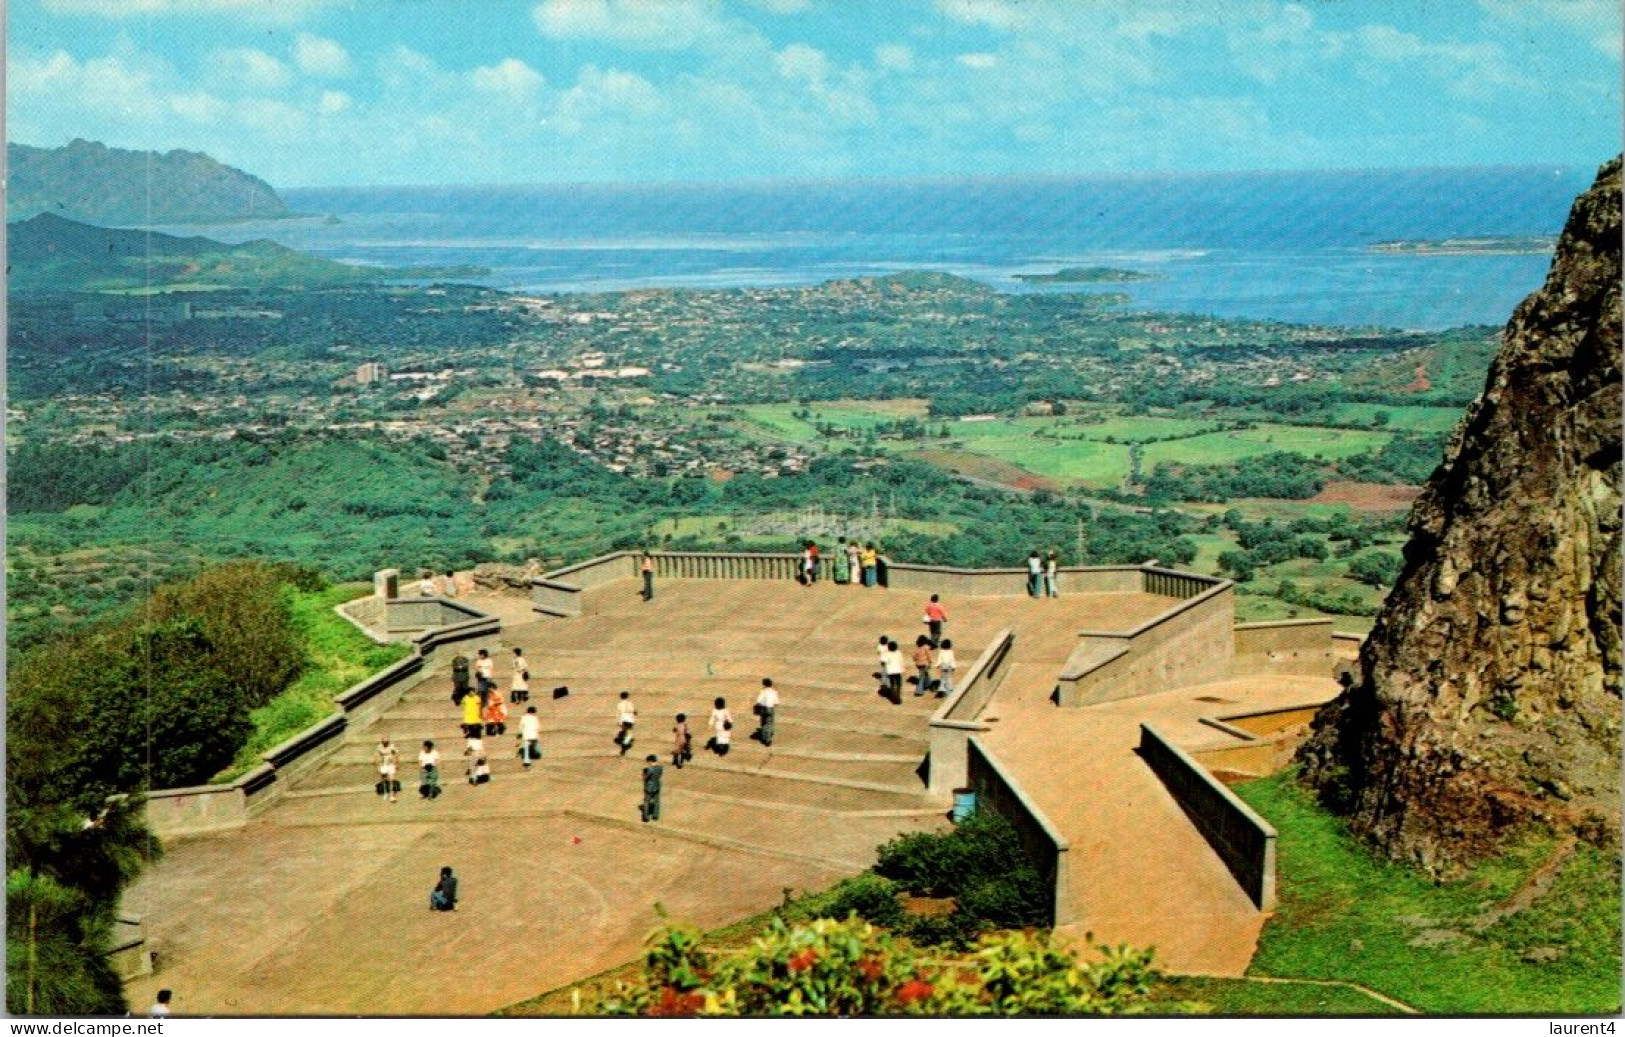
pixel 1086 275
pixel 1493 246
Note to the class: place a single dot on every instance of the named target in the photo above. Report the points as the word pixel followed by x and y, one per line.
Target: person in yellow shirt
pixel 871 563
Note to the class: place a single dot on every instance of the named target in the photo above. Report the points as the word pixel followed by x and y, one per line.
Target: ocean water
pixel 1290 246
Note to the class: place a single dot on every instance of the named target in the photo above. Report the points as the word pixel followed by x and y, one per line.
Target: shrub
pixel 851 968
pixel 981 864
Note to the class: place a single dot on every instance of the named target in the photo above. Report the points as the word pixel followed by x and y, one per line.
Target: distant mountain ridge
pixel 48 251
pixel 94 183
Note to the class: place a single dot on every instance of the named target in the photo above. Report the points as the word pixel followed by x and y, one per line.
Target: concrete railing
pixel 990 583
pixel 1302 646
pixel 997 790
pixel 1242 839
pixel 206 808
pixel 956 720
pixel 1189 643
pixel 558 593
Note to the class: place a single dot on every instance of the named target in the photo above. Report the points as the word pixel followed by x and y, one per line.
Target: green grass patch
pixel 1229 447
pixel 1346 914
pixel 1213 996
pixel 1402 419
pixel 338 656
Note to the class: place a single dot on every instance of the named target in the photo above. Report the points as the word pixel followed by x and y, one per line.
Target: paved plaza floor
pixel 320 905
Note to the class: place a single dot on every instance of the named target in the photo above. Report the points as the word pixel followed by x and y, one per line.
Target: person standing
pixel 893 666
pixel 652 772
pixel 946 665
pixel 812 563
pixel 682 746
pixel 429 765
pixel 935 616
pixel 854 562
pixel 451 585
pixel 426 587
pixel 1035 570
pixel 843 563
pixel 519 683
pixel 1052 575
pixel 389 759
pixel 444 895
pixel 485 670
pixel 472 719
pixel 922 664
pixel 496 716
pixel 766 708
pixel 530 737
pixel 722 725
pixel 646 566
pixel 871 563
pixel 627 715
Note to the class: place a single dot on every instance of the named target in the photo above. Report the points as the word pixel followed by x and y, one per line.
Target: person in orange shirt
pixel 935 616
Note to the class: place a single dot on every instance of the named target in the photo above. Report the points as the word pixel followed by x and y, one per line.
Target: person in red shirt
pixel 935 616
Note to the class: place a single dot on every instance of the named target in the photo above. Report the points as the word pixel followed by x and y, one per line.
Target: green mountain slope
pixel 91 182
pixel 48 251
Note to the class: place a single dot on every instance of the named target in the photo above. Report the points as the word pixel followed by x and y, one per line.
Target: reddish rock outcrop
pixel 1488 694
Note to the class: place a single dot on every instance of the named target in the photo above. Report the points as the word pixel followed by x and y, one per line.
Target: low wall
pixel 1242 839
pixel 1303 646
pixel 413 615
pixel 997 790
pixel 209 808
pixel 1187 644
pixel 957 719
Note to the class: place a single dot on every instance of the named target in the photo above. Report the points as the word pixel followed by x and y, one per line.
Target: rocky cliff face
pixel 1488 693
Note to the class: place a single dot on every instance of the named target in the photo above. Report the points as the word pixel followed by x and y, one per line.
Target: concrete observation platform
pixel 318 905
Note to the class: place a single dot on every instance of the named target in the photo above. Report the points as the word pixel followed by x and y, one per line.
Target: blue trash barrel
pixel 964 804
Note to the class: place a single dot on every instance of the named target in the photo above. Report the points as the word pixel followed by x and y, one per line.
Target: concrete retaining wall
pixel 1242 839
pixel 997 790
pixel 1009 583
pixel 208 808
pixel 1189 643
pixel 958 718
pixel 1304 646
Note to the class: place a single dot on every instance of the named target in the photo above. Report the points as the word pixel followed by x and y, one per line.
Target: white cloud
pixel 781 6
pixel 275 12
pixel 333 102
pixel 636 24
pixel 896 57
pixel 802 63
pixel 979 60
pixel 319 56
pixel 510 77
pixel 198 107
pixel 607 94
pixel 995 14
pixel 247 67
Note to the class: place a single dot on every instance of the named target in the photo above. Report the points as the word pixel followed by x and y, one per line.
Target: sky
pixel 355 92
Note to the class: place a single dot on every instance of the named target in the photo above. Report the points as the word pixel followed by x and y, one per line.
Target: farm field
pixel 781 529
pixel 1401 419
pixel 1232 446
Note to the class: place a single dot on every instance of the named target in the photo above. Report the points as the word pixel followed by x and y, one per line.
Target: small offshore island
pixel 1529 245
pixel 1086 275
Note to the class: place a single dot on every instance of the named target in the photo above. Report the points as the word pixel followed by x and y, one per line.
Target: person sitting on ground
pixel 444 896
pixel 480 773
pixel 426 587
pixel 429 761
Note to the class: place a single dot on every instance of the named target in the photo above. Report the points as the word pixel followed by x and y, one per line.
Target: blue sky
pixel 316 92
